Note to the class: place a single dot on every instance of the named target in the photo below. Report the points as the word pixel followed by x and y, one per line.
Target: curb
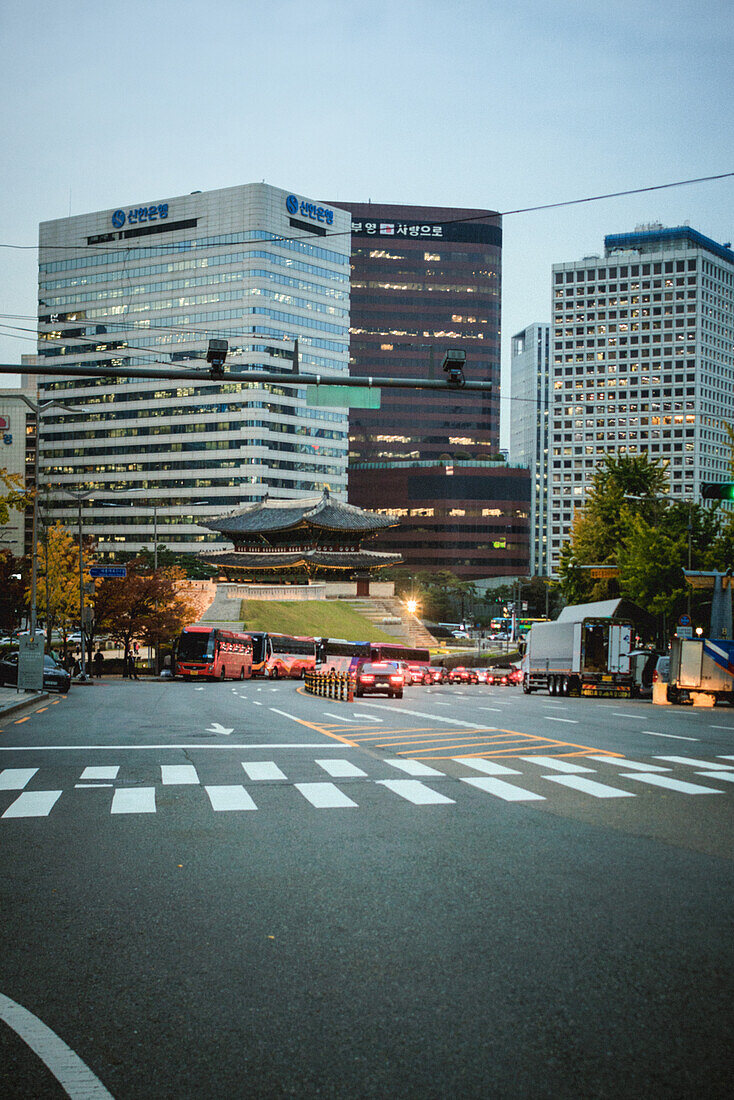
pixel 15 708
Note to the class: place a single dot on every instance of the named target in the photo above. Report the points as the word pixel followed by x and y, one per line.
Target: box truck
pixel 588 656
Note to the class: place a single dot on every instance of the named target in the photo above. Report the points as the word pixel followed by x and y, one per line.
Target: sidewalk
pixel 12 701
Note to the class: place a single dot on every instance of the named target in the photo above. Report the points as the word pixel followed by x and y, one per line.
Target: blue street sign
pixel 107 571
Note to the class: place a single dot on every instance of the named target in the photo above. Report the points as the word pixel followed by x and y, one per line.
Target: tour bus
pixel 339 655
pixel 259 652
pixel 414 655
pixel 288 657
pixel 207 653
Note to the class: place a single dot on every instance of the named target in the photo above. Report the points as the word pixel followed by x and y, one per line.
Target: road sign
pixel 684 620
pixel 107 571
pixel 599 572
pixel 30 662
pixel 355 397
pixel 685 632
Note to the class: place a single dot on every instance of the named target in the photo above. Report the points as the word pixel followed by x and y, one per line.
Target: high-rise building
pixel 425 280
pixel 529 425
pixel 151 284
pixel 643 360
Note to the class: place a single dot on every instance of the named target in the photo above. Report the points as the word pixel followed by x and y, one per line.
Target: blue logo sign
pixel 309 210
pixel 118 219
pixel 154 213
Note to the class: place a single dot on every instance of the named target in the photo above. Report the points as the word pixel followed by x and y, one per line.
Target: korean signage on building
pixel 140 215
pixel 465 231
pixel 309 210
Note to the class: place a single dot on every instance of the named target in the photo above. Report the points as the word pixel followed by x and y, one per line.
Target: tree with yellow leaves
pixel 57 588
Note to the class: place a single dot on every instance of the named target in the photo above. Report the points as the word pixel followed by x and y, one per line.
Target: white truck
pixel 585 656
pixel 701 671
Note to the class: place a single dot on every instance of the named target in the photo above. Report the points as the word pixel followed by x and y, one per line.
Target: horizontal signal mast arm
pixel 286 378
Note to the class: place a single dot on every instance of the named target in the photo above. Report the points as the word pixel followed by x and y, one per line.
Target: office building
pixel 150 284
pixel 643 361
pixel 425 280
pixel 529 426
pixel 471 517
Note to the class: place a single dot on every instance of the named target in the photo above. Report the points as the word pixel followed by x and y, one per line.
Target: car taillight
pixel 366 679
pixel 396 679
pixel 655 676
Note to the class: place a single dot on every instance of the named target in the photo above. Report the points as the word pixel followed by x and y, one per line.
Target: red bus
pixel 288 657
pixel 207 653
pixel 339 655
pixel 414 655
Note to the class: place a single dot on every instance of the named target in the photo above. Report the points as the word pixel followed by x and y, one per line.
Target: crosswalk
pixel 23 793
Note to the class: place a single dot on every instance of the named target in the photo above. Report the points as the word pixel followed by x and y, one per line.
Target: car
pixel 516 676
pixel 482 674
pixel 404 669
pixel 661 675
pixel 500 676
pixel 462 675
pixel 55 678
pixel 379 676
pixel 419 674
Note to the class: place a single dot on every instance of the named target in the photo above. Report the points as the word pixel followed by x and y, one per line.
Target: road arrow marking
pixel 216 728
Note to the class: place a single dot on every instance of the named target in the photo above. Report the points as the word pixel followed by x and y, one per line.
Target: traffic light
pixel 718 490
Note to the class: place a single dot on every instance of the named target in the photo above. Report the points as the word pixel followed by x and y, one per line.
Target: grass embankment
pixel 312 619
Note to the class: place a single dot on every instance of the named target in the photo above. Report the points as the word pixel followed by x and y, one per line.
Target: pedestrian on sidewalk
pixel 98 664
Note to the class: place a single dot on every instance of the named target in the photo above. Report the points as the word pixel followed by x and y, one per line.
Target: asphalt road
pixel 238 890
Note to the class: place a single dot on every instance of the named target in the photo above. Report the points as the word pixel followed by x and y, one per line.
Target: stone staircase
pixel 389 613
pixel 223 611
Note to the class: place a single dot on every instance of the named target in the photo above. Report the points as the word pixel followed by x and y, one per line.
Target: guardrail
pixel 330 685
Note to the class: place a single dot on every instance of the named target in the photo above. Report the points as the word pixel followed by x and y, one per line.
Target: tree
pixel 57 582
pixel 12 494
pixel 148 606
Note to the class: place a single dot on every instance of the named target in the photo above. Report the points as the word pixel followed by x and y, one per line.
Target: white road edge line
pixel 675 736
pixel 74 1076
pixel 137 748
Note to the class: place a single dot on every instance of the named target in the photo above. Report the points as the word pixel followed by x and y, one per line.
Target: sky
pixel 463 103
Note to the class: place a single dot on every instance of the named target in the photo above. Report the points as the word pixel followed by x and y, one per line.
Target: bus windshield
pixel 196 645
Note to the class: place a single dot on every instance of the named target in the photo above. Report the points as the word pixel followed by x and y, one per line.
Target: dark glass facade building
pixel 425 280
pixel 467 516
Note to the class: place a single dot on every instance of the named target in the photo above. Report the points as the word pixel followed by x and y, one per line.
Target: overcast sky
pixel 491 104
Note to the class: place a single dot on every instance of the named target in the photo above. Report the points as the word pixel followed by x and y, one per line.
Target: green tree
pixel 12 494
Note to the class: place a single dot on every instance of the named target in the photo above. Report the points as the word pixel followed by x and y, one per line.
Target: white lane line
pixel 730 728
pixel 198 689
pixel 487 766
pixel 571 721
pixel 557 765
pixel 325 796
pixel 99 773
pixel 133 800
pixel 502 790
pixel 438 704
pixel 258 770
pixel 33 804
pixel 727 776
pixel 339 717
pixel 177 775
pixel 92 786
pixel 693 763
pixel 341 769
pixel 415 791
pixel 588 786
pixel 74 1076
pixel 413 767
pixel 198 745
pixel 722 756
pixel 497 710
pixel 402 711
pixel 672 784
pixel 621 762
pixel 673 736
pixel 15 779
pixel 257 704
pixel 229 797
pixel 616 714
pixel 370 717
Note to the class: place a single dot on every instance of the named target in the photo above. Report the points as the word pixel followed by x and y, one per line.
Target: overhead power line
pixel 452 221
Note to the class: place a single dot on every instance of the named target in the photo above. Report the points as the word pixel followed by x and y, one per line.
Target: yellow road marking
pixel 19 720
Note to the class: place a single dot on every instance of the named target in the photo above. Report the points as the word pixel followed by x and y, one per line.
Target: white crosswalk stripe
pixel 412 767
pixel 672 784
pixel 556 765
pixel 341 769
pixel 15 779
pixel 415 791
pixel 622 762
pixel 259 770
pixel 33 804
pixel 489 767
pixel 232 797
pixel 692 762
pixel 588 786
pixel 503 790
pixel 133 800
pixel 100 773
pixel 175 775
pixel 325 796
